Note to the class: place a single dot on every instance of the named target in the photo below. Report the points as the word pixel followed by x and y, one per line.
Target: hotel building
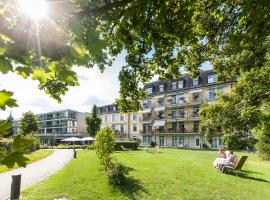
pixel 58 125
pixel 170 112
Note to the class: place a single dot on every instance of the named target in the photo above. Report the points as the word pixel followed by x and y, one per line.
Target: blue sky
pixel 95 88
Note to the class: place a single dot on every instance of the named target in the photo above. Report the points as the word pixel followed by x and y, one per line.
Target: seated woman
pixel 221 157
pixel 231 161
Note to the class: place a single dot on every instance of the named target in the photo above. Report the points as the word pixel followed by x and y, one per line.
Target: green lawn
pixel 173 174
pixel 33 156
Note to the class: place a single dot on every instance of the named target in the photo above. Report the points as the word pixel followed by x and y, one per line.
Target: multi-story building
pixel 170 112
pixel 125 125
pixel 58 125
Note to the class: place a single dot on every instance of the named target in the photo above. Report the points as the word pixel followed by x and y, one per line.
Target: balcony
pixel 172 103
pixel 117 132
pixel 176 130
pixel 195 100
pixel 146 119
pixel 160 117
pixel 146 105
pixel 146 132
pixel 194 115
pixel 180 116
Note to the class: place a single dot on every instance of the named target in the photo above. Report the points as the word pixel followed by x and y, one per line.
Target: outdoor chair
pixel 237 167
pixel 124 149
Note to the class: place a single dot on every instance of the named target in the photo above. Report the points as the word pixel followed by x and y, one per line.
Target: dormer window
pixel 212 78
pixel 149 90
pixel 195 81
pixel 180 84
pixel 161 88
pixel 174 85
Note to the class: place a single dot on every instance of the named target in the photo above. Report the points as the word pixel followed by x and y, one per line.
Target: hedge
pixel 132 145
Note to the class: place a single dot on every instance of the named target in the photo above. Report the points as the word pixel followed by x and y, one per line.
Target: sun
pixel 35 9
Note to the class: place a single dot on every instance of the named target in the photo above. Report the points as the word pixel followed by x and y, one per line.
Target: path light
pixel 35 9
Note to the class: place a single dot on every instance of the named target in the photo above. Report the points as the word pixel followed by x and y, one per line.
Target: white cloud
pixel 95 88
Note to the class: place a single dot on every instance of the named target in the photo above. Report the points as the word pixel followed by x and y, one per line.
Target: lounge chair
pixel 237 167
pixel 124 149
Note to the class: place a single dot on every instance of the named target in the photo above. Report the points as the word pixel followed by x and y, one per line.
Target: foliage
pixel 153 144
pixel 104 146
pixel 237 113
pixel 28 123
pixel 116 173
pixel 93 122
pixel 132 145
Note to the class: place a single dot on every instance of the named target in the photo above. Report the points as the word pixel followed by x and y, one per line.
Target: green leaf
pixel 2 50
pixel 39 74
pixel 24 71
pixel 5 100
pixel 5 65
pixel 13 158
pixel 76 50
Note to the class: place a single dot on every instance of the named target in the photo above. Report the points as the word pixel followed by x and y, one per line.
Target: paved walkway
pixel 36 171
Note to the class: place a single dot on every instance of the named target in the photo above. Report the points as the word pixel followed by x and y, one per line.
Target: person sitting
pixel 231 161
pixel 221 157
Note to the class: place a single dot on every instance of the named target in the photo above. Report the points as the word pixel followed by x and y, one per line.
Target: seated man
pixel 229 161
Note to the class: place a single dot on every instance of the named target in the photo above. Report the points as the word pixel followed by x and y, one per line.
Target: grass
pixel 33 156
pixel 173 174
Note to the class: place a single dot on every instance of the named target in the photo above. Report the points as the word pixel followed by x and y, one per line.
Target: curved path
pixel 36 171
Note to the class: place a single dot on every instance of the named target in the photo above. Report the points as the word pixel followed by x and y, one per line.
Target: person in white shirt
pixel 231 161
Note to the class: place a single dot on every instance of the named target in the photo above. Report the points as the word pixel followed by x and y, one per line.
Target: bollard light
pixel 15 187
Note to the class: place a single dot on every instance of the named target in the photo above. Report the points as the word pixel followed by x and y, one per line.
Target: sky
pixel 95 88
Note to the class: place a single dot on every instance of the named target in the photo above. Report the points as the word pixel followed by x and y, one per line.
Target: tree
pixel 159 37
pixel 93 122
pixel 243 113
pixel 28 123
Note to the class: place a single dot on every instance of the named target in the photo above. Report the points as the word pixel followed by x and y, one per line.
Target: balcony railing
pixel 146 132
pixel 159 117
pixel 143 119
pixel 116 132
pixel 194 115
pixel 176 130
pixel 181 115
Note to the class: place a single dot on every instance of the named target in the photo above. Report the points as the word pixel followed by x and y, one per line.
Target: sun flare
pixel 35 9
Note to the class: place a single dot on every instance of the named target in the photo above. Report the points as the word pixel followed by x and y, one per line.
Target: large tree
pixel 29 123
pixel 158 36
pixel 93 122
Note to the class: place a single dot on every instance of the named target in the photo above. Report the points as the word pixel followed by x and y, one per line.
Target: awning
pixel 195 91
pixel 159 108
pixel 159 96
pixel 148 110
pixel 159 123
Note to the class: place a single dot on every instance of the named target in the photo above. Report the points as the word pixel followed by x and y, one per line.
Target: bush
pixel 116 173
pixel 132 145
pixel 153 144
pixel 205 146
pixel 263 144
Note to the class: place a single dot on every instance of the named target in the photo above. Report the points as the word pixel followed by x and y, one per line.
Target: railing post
pixel 15 187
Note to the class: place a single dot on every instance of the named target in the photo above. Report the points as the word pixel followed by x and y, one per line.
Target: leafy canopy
pixel 28 123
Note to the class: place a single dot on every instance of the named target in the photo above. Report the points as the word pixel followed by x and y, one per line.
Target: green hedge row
pixel 132 145
pixel 67 147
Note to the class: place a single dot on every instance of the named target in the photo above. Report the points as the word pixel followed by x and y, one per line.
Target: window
pixel 195 81
pixel 149 139
pixel 161 87
pixel 180 84
pixel 174 141
pixel 161 141
pixel 114 118
pixel 149 90
pixel 174 85
pixel 134 117
pixel 181 140
pixel 122 128
pixel 174 99
pixel 134 127
pixel 173 113
pixel 73 123
pixel 220 89
pixel 212 78
pixel 113 127
pixel 106 118
pixel 145 139
pixel 114 108
pixel 147 103
pixel 214 144
pixel 122 118
pixel 212 94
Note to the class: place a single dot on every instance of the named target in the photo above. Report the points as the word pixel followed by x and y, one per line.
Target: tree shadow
pixel 131 188
pixel 245 175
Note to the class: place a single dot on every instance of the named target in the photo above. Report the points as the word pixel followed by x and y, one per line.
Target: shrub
pixel 116 173
pixel 153 144
pixel 132 145
pixel 205 146
pixel 263 145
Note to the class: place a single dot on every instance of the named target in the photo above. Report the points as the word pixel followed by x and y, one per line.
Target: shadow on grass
pixel 245 175
pixel 131 188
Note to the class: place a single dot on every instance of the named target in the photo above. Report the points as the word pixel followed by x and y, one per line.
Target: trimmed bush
pixel 132 145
